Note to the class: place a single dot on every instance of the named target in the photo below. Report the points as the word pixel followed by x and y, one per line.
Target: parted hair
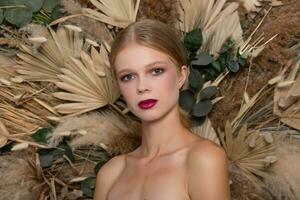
pixel 156 35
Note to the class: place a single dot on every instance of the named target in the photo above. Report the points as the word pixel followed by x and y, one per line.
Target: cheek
pixel 169 88
pixel 126 91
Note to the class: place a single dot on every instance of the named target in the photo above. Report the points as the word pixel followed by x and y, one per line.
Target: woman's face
pixel 146 74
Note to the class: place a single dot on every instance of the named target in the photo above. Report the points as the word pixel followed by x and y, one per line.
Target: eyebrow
pixel 147 66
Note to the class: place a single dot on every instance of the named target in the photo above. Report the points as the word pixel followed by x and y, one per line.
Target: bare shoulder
pixel 207 171
pixel 204 152
pixel 107 175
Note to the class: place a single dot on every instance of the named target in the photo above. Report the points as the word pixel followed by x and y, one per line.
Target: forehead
pixel 137 56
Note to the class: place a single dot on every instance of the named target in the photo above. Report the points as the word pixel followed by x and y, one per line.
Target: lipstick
pixel 146 104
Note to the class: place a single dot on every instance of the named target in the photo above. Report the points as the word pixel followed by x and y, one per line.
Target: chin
pixel 153 115
pixel 148 117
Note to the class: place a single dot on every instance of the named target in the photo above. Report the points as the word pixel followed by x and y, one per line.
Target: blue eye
pixel 127 77
pixel 158 71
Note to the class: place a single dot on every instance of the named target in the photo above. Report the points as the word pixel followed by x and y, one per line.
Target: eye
pixel 157 71
pixel 126 77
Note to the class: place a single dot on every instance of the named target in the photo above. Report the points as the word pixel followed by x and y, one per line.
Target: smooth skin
pixel 171 162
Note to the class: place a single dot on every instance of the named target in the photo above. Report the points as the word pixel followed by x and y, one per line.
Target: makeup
pixel 147 104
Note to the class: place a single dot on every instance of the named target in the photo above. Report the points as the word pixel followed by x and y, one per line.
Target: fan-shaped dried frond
pixel 118 13
pixel 212 17
pixel 251 152
pixel 45 63
pixel 207 131
pixel 203 14
pixel 215 36
pixel 287 97
pixel 89 82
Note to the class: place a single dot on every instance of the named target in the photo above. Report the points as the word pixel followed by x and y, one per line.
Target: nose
pixel 142 86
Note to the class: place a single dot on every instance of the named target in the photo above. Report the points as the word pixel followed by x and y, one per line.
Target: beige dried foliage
pixel 217 20
pixel 21 109
pixel 249 151
pixel 71 6
pixel 246 106
pixel 118 13
pixel 207 131
pixel 162 10
pixel 256 5
pixel 46 63
pixel 253 47
pixel 94 29
pixel 103 128
pixel 283 183
pixel 89 83
pixel 287 97
pixel 241 188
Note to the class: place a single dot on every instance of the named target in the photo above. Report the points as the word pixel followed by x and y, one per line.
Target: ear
pixel 183 73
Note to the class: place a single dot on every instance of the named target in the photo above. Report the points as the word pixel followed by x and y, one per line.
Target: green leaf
pixel 46 156
pixel 12 2
pixel 241 61
pixel 228 45
pixel 193 40
pixel 49 5
pixel 56 12
pixel 100 164
pixel 1 16
pixel 18 16
pixel 35 5
pixel 87 186
pixel 7 148
pixel 217 66
pixel 67 150
pixel 233 66
pixel 195 79
pixel 202 108
pixel 203 59
pixel 186 100
pixel 196 121
pixel 208 92
pixel 41 135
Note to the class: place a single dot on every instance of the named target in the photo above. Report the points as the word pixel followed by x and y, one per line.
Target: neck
pixel 163 135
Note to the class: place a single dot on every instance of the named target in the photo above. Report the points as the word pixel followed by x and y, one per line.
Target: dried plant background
pixel 62 116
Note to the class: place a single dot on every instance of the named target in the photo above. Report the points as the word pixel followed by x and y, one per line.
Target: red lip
pixel 146 104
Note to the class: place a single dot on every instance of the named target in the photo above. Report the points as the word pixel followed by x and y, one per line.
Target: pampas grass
pixel 162 10
pixel 71 6
pixel 105 129
pixel 241 188
pixel 283 183
pixel 94 29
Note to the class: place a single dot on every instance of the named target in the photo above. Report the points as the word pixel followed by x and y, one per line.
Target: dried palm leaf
pixel 118 13
pixel 287 97
pixel 252 152
pixel 246 106
pixel 216 21
pixel 89 82
pixel 253 49
pixel 207 131
pixel 46 62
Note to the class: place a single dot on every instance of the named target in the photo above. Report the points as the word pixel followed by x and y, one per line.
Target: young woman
pixel 171 163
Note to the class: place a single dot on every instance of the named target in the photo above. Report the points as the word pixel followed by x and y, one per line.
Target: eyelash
pixel 161 71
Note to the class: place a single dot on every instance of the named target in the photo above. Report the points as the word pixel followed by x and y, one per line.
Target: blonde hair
pixel 156 35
